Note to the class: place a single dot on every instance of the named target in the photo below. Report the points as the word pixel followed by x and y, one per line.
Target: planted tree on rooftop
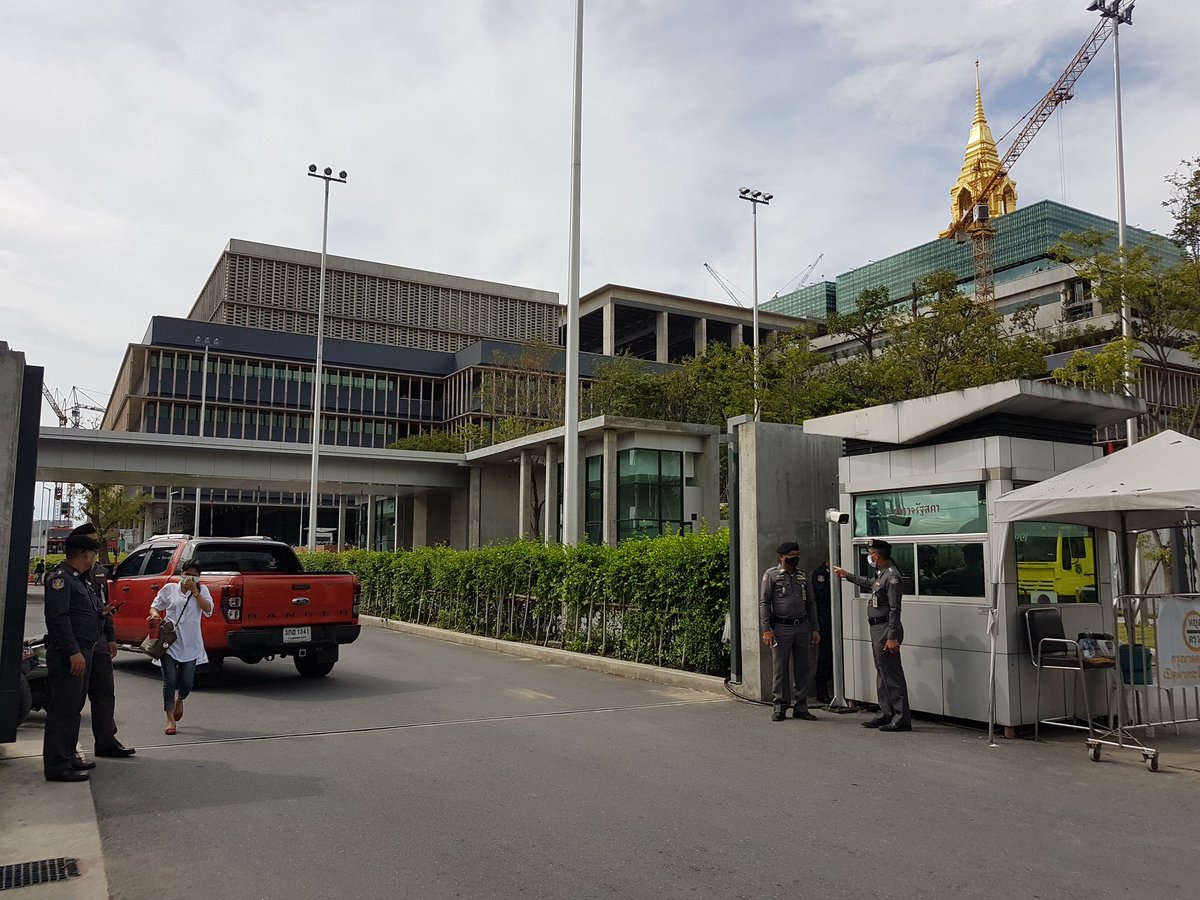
pixel 1163 298
pixel 949 342
pixel 868 322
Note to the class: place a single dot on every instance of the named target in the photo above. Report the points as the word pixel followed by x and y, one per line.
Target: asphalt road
pixel 421 768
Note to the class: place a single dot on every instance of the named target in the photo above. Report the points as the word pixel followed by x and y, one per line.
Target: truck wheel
pixel 25 700
pixel 313 666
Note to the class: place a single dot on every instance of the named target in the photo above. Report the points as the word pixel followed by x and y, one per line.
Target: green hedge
pixel 660 600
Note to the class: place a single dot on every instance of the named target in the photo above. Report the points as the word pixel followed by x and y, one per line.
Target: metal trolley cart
pixel 1159 686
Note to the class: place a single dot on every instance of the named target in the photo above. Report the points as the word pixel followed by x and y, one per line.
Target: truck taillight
pixel 231 607
pixel 357 598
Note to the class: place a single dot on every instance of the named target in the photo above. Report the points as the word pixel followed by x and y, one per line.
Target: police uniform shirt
pixel 886 592
pixel 785 595
pixel 72 609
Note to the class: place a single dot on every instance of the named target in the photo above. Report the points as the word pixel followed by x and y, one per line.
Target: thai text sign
pixel 1178 639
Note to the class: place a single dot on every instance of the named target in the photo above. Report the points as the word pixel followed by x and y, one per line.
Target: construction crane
pixel 724 285
pixel 50 398
pixel 976 221
pixel 803 278
pixel 77 406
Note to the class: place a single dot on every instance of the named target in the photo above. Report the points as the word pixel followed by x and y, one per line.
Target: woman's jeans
pixel 176 676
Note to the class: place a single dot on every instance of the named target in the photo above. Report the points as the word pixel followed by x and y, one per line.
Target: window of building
pixel 593 513
pixel 649 492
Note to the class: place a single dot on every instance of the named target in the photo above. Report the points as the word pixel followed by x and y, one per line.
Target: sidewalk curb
pixel 673 677
pixel 39 820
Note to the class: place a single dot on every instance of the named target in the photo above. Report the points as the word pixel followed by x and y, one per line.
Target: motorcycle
pixel 34 687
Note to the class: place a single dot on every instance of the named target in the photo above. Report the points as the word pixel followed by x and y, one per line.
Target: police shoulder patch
pixel 57 583
pixel 893 579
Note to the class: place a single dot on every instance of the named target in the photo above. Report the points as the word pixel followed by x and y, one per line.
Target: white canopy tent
pixel 1153 484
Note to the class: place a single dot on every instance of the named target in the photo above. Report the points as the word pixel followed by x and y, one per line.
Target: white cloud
pixel 140 136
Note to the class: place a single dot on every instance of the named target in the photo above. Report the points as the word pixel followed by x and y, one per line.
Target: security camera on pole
pixel 836 517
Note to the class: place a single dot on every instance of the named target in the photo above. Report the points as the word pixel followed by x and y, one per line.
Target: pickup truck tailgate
pixel 308 598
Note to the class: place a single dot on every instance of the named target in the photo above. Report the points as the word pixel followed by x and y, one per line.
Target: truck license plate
pixel 297 635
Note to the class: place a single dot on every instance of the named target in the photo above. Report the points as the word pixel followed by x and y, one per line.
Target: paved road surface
pixel 426 769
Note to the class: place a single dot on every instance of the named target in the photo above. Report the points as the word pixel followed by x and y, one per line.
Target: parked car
pixel 266 604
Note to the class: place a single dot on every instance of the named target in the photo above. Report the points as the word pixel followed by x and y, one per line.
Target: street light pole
pixel 755 198
pixel 318 386
pixel 1121 13
pixel 203 399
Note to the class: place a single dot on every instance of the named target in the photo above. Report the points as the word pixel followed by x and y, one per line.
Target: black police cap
pixel 83 537
pixel 881 545
pixel 789 547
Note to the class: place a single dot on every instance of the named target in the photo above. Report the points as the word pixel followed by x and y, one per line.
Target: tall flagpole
pixel 570 512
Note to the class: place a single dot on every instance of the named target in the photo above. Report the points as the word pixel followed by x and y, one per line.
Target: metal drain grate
pixel 17 875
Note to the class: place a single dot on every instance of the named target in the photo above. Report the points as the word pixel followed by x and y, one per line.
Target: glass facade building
pixel 1022 246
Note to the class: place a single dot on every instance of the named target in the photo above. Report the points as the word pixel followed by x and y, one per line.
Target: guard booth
pixel 924 474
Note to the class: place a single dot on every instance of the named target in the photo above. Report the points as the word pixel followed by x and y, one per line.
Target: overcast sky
pixel 138 137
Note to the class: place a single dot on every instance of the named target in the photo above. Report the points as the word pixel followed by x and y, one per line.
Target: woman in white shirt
pixel 182 604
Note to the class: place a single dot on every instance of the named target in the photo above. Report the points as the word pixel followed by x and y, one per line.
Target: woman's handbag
pixel 161 637
pixel 155 645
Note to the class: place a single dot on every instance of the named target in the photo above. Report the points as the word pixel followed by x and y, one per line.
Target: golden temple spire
pixel 980 163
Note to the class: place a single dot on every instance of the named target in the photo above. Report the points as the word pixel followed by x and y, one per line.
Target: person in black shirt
pixel 73 626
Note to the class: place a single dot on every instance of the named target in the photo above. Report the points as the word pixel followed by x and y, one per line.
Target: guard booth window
pixel 1056 563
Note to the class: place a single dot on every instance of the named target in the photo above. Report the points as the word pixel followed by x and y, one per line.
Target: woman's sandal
pixel 169 730
pixel 178 709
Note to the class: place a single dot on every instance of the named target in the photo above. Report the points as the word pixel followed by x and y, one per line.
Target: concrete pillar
pixel 609 336
pixel 707 472
pixel 662 343
pixel 420 520
pixel 735 335
pixel 523 495
pixel 474 511
pixel 341 526
pixel 609 477
pixel 396 523
pixel 371 545
pixel 147 521
pixel 550 509
pixel 700 335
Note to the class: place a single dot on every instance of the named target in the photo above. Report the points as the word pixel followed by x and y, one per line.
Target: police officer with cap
pixel 101 690
pixel 883 617
pixel 787 615
pixel 73 613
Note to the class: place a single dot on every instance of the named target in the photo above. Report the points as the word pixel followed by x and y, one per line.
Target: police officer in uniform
pixel 101 689
pixel 887 634
pixel 73 625
pixel 787 616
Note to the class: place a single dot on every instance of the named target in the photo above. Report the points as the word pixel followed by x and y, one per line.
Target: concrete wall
pixel 786 481
pixel 494 506
pixel 20 397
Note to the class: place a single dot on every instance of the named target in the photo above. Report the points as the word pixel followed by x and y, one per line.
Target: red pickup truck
pixel 265 603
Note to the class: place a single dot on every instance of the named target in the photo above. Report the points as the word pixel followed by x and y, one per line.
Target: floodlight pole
pixel 318 392
pixel 1121 13
pixel 755 198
